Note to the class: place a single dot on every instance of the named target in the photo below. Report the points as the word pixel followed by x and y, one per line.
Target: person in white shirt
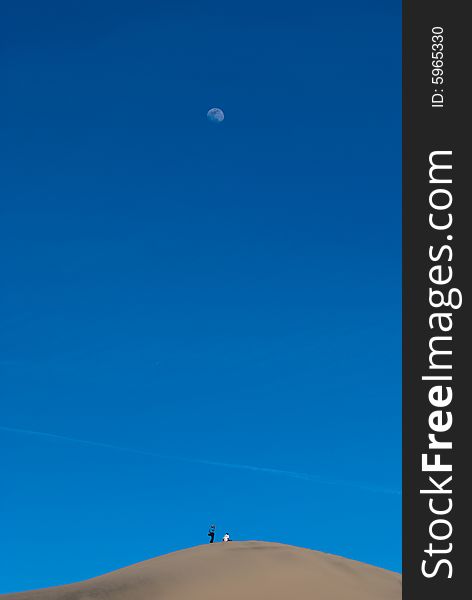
pixel 226 537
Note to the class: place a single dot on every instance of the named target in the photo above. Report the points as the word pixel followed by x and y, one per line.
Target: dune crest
pixel 234 571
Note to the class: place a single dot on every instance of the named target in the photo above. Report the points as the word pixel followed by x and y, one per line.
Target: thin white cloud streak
pixel 199 461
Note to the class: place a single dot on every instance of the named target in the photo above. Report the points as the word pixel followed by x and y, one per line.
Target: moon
pixel 215 115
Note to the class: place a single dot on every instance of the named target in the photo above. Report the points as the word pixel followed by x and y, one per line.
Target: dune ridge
pixel 250 570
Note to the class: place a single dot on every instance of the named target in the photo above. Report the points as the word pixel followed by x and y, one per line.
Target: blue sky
pixel 186 297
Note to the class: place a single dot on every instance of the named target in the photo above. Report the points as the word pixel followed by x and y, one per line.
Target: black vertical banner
pixel 437 267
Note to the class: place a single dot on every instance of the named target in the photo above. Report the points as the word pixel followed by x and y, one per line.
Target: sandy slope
pixel 234 571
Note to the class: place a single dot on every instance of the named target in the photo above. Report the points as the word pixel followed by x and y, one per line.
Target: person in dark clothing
pixel 211 533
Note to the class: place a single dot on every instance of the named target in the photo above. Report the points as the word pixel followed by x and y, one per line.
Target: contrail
pixel 199 461
pixel 73 440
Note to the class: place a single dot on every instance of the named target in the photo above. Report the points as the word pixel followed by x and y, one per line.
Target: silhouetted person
pixel 211 533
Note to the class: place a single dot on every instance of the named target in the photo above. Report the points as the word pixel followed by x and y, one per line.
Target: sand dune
pixel 234 571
